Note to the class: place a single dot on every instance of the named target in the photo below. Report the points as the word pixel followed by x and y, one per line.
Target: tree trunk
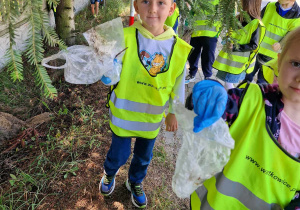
pixel 65 24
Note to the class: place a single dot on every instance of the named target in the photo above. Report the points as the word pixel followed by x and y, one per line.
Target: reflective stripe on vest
pixel 201 27
pixel 135 106
pixel 257 175
pixel 277 27
pixel 235 190
pixel 237 62
pixel 132 125
pixel 138 102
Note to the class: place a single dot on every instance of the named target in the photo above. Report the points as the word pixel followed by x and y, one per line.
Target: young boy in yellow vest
pixel 264 120
pixel 279 19
pixel 152 74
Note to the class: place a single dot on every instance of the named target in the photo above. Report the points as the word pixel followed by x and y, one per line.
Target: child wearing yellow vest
pixel 232 67
pixel 204 40
pixel 264 120
pixel 280 18
pixel 173 20
pixel 152 74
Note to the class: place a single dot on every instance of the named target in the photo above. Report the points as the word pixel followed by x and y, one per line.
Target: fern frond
pixel 3 10
pixel 15 64
pixel 44 81
pixel 53 3
pixel 50 35
pixel 34 43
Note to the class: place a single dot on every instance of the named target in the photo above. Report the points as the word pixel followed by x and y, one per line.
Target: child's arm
pixel 171 122
pixel 179 91
pixel 252 45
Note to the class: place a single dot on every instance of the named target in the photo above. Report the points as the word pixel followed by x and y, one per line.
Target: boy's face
pixel 286 3
pixel 154 13
pixel 289 73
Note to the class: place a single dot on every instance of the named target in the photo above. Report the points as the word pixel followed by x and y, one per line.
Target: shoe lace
pixel 138 189
pixel 108 179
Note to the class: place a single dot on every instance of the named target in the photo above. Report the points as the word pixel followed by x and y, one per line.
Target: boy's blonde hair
pixel 290 38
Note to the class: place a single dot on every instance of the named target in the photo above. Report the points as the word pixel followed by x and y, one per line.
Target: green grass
pixel 59 158
pixel 161 197
pixel 160 154
pixel 19 95
pixel 85 21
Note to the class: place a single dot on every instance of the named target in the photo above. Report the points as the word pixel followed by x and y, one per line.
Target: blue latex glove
pixel 105 80
pixel 209 99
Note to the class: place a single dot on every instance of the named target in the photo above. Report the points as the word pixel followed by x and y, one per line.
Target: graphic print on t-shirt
pixel 155 64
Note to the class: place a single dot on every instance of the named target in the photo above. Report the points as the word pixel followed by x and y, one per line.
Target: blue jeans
pixel 119 152
pixel 205 47
pixel 93 1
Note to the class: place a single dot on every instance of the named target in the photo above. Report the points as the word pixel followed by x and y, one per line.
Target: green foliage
pixel 112 9
pixel 39 30
pixel 224 12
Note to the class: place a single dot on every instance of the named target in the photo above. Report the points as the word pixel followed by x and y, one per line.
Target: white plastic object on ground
pixel 201 155
pixel 82 65
pixel 87 64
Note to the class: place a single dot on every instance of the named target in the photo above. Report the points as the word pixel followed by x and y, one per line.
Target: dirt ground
pixel 81 191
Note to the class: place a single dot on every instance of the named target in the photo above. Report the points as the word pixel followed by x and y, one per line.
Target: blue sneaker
pixel 107 184
pixel 138 196
pixel 189 78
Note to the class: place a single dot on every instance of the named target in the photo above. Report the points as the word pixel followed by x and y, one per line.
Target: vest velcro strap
pixel 133 125
pixel 273 36
pixel 135 106
pixel 241 193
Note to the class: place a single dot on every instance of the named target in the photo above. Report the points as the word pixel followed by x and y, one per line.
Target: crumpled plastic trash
pixel 201 155
pixel 108 41
pixel 82 65
pixel 87 64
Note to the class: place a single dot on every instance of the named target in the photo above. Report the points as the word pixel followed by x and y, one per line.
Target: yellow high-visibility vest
pixel 139 100
pixel 237 62
pixel 277 27
pixel 258 174
pixel 171 20
pixel 202 28
pixel 270 70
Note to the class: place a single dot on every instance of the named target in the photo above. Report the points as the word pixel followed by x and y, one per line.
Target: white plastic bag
pixel 82 64
pixel 108 41
pixel 201 155
pixel 87 64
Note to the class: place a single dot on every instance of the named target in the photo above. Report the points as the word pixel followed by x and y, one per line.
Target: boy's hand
pixel 276 46
pixel 171 122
